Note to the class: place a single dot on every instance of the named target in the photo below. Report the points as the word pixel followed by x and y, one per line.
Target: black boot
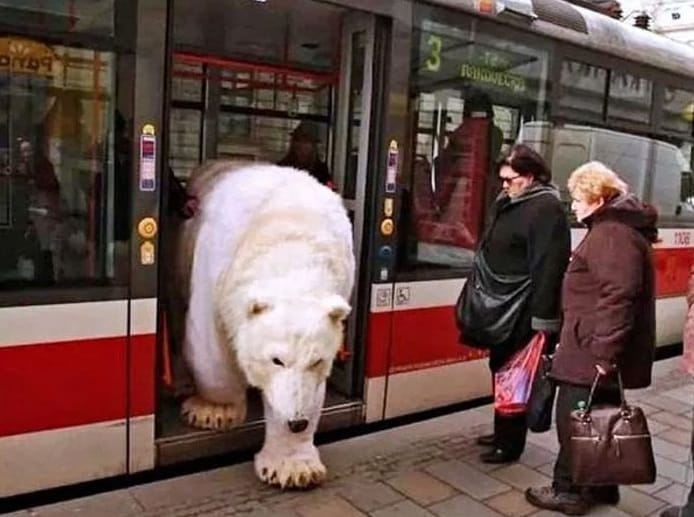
pixel 602 495
pixel 487 440
pixel 498 455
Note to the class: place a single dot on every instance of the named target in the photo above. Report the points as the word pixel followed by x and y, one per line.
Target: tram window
pixel 260 138
pixel 259 110
pixel 84 16
pixel 672 180
pixel 187 81
pixel 185 126
pixel 568 146
pixel 630 98
pixel 65 177
pixel 471 92
pixel 678 111
pixel 290 93
pixel 582 90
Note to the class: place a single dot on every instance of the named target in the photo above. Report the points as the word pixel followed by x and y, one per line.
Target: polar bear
pixel 266 268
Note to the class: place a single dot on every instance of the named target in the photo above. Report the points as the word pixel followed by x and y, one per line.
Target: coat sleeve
pixel 549 248
pixel 616 260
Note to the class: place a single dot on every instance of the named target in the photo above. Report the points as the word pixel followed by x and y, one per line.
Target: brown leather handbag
pixel 611 445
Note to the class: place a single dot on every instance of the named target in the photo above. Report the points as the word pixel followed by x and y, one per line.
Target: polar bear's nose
pixel 296 426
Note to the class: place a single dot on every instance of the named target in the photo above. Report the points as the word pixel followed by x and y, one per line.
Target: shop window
pixel 471 92
pixel 64 185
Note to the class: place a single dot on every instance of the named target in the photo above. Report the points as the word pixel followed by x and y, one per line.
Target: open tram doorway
pixel 248 80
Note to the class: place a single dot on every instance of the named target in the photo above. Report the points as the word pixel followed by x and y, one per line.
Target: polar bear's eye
pixel 317 363
pixel 276 361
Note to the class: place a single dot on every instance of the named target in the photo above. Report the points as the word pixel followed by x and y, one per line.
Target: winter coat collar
pixel 533 191
pixel 629 210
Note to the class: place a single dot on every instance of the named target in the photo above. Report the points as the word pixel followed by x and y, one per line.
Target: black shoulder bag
pixel 490 305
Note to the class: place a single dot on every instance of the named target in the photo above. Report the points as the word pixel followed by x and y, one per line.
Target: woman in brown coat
pixel 608 305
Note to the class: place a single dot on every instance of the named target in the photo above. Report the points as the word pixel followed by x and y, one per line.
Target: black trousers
pixel 568 397
pixel 510 432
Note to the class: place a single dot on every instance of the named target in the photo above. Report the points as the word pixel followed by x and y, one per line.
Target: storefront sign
pixel 25 56
pixel 148 159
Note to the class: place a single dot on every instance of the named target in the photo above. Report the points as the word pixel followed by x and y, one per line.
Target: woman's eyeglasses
pixel 507 180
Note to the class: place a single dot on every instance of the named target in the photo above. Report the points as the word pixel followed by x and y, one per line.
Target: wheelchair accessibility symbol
pixel 402 296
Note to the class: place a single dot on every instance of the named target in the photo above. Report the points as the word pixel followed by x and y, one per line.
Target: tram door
pixel 352 131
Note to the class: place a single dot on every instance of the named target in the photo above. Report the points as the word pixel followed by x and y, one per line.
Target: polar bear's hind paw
pixel 197 412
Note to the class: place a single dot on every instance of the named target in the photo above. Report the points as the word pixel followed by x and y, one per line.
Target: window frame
pixel 481 25
pixel 122 44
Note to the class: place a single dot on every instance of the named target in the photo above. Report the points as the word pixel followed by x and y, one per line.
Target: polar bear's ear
pixel 257 307
pixel 338 308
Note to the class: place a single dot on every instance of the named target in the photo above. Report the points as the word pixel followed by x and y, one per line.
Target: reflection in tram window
pixel 583 90
pixel 84 16
pixel 678 111
pixel 57 163
pixel 597 124
pixel 472 91
pixel 630 98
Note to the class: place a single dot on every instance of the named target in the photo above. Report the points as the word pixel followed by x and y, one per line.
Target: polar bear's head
pixel 286 347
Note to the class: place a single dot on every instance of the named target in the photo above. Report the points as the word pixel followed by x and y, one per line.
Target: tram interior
pixel 245 76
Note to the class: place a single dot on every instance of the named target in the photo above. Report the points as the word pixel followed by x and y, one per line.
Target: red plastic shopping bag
pixel 512 383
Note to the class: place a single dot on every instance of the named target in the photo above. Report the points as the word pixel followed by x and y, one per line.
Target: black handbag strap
pixel 594 387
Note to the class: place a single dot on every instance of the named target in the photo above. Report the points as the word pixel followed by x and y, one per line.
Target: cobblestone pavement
pixel 424 469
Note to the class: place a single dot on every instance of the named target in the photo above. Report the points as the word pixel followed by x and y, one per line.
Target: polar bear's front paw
pixel 300 471
pixel 197 412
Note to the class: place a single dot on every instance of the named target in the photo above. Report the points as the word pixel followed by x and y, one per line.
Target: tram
pixel 103 104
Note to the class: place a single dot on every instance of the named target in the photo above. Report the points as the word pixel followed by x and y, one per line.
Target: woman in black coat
pixel 528 236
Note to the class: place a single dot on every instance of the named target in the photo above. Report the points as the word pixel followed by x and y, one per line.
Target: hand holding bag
pixel 611 445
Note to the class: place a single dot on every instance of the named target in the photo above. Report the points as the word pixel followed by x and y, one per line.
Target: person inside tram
pixel 303 153
pixel 34 178
pixel 449 207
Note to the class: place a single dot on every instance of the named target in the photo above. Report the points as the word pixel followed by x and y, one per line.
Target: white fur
pixel 271 276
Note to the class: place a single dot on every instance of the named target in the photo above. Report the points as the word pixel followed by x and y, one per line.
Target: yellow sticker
pixel 148 129
pixel 387 227
pixel 147 253
pixel 147 227
pixel 388 207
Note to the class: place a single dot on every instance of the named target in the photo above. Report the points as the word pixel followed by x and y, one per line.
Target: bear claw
pixel 291 473
pixel 197 412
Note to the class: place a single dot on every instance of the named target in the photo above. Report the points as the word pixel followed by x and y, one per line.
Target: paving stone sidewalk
pixel 424 469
